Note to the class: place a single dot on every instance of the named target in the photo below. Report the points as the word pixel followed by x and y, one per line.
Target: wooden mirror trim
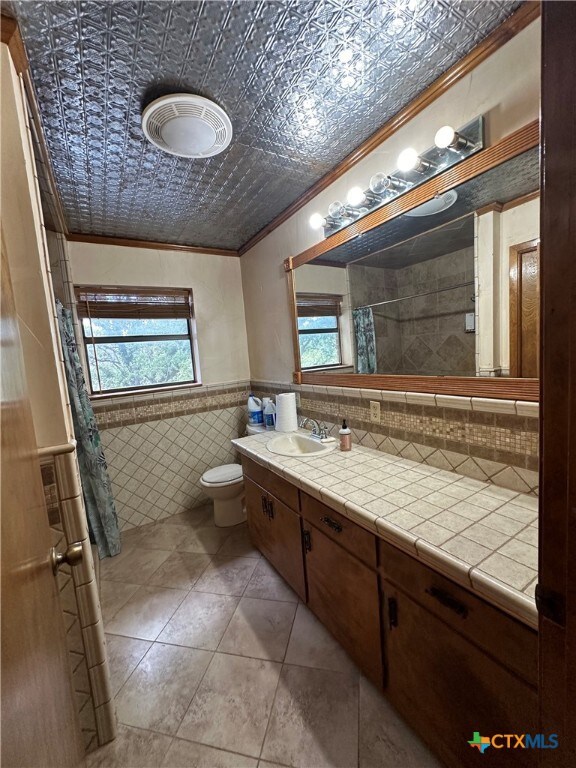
pixel 510 146
pixel 501 388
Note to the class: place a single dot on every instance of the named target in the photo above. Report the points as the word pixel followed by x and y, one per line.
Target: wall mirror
pixel 437 291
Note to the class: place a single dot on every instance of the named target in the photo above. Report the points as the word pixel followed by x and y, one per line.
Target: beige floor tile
pixel 266 764
pixel 232 705
pixel 200 621
pixel 160 690
pixel 385 739
pixel 133 748
pixel 200 517
pixel 311 645
pixel 259 629
pixel 507 570
pixel 132 566
pixel 113 595
pixel 205 540
pixel 267 584
pixel 227 575
pixel 146 613
pixel 181 570
pixel 185 754
pixel 161 536
pixel 124 655
pixel 469 551
pixel 239 544
pixel 529 535
pixel 314 721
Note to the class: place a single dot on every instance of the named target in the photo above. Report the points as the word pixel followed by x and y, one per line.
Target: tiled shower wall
pixel 158 447
pixel 490 440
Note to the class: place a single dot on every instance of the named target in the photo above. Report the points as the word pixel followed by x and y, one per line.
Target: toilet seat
pixel 227 474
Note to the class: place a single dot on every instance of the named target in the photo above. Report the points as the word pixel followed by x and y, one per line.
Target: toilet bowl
pixel 225 486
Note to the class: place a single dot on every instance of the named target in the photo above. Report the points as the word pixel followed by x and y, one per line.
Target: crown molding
pixel 73 237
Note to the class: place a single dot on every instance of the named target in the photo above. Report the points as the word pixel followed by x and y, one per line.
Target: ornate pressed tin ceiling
pixel 304 83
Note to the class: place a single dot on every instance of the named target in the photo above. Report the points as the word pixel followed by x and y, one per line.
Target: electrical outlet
pixel 374 411
pixel 297 399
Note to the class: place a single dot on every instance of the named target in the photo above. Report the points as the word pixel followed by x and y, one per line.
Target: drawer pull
pixel 336 527
pixel 392 612
pixel 271 509
pixel 265 505
pixel 446 599
pixel 307 540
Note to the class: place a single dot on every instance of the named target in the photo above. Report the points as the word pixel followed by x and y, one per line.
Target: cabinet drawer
pixel 349 535
pixel 343 593
pixel 509 641
pixel 272 482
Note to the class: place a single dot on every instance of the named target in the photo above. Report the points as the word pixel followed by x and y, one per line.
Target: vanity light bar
pixel 450 147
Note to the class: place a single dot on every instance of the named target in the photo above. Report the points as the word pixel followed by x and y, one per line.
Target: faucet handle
pixel 323 431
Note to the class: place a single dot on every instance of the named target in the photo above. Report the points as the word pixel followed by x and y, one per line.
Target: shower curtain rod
pixel 416 295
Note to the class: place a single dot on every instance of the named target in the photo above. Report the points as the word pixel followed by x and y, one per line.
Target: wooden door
pixel 525 310
pixel 277 532
pixel 557 545
pixel 39 720
pixel 448 689
pixel 343 593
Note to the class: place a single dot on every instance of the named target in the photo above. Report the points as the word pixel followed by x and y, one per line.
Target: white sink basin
pixel 298 445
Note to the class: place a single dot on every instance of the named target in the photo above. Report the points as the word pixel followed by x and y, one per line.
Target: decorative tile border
pixel 456 434
pixel 141 408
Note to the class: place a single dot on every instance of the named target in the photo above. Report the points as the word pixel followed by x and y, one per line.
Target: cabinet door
pixel 277 532
pixel 448 689
pixel 343 593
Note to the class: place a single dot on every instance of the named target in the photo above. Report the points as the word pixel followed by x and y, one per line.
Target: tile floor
pixel 216 663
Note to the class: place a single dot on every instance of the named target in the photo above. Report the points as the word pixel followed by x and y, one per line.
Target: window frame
pixel 93 341
pixel 337 301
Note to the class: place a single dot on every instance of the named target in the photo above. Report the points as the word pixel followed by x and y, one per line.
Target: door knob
pixel 72 556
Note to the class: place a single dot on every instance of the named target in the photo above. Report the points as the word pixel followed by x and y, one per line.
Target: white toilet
pixel 225 486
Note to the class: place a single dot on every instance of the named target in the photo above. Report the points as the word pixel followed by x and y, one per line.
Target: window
pixel 137 338
pixel 319 329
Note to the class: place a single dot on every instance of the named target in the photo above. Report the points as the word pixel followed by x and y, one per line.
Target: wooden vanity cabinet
pixel 276 530
pixel 447 688
pixel 343 593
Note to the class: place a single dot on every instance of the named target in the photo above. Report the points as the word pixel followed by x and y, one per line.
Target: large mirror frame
pixel 511 146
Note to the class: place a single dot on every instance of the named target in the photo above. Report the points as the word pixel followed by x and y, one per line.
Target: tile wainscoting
pixel 489 440
pixel 158 447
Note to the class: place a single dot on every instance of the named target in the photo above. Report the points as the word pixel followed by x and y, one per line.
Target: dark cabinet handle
pixel 265 505
pixel 392 612
pixel 448 601
pixel 336 527
pixel 307 539
pixel 271 509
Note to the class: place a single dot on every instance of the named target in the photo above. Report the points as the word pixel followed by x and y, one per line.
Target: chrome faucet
pixel 319 431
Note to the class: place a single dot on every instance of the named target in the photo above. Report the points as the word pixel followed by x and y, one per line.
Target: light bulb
pixel 317 221
pixel 336 209
pixel 408 160
pixel 445 137
pixel 379 183
pixel 356 196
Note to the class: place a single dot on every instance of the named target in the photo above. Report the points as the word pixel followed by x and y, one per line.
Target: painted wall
pixel 509 102
pixel 216 286
pixel 24 239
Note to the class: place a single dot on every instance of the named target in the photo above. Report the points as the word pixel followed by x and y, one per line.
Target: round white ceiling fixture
pixel 436 205
pixel 187 126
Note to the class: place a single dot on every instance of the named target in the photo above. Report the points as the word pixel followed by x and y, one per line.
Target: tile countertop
pixel 480 535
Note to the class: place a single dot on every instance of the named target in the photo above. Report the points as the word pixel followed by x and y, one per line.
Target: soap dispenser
pixel 345 437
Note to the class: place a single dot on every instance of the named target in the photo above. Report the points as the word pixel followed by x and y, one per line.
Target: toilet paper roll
pixel 286 416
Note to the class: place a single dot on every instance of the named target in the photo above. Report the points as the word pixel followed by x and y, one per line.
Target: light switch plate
pixel 374 411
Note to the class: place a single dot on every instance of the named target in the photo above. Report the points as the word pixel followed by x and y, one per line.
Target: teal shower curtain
pixel 365 340
pixel 96 487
